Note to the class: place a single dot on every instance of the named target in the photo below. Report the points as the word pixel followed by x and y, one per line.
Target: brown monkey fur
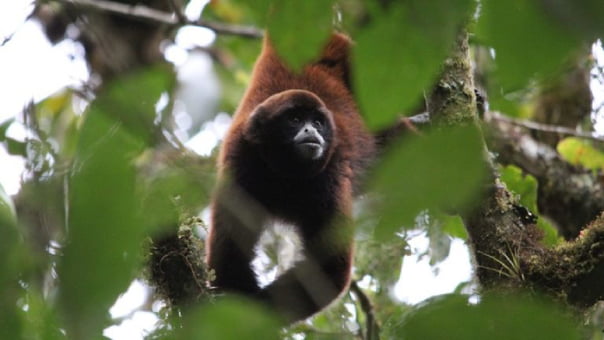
pixel 258 183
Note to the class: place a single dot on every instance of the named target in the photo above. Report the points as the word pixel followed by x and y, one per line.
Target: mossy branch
pixel 505 243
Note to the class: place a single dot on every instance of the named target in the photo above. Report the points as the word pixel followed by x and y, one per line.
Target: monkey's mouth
pixel 310 141
pixel 311 144
pixel 310 148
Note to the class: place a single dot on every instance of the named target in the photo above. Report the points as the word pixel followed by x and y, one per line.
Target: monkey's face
pixel 293 130
pixel 309 131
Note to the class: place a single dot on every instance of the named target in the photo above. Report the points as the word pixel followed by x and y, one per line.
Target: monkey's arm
pixel 230 245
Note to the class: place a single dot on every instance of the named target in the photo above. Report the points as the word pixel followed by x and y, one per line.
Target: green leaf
pixel 550 233
pixel 440 170
pixel 299 29
pixel 453 225
pixel 105 230
pixel 580 152
pixel 176 189
pixel 8 216
pixel 235 76
pixel 41 320
pixel 451 317
pixel 105 233
pixel 4 126
pixel 229 318
pixel 522 184
pixel 582 17
pixel 511 104
pixel 10 252
pixel 525 186
pixel 400 54
pixel 131 100
pixel 15 147
pixel 527 42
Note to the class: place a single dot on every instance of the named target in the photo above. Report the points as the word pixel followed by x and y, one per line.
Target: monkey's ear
pixel 254 127
pixel 335 58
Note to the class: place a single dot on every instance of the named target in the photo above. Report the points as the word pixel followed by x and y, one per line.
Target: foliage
pixel 247 320
pixel 446 164
pixel 521 52
pixel 9 267
pixel 525 186
pixel 579 152
pixel 391 76
pixel 494 317
pixel 100 182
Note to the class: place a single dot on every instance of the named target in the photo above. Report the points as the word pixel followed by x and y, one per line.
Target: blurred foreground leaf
pixel 527 42
pixel 105 231
pixel 441 170
pixel 399 55
pixel 452 225
pixel 582 17
pixel 10 249
pixel 451 317
pixel 229 318
pixel 180 188
pixel 131 100
pixel 41 320
pixel 297 29
pixel 8 218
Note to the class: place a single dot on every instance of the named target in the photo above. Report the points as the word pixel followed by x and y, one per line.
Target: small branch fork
pixel 544 127
pixel 373 329
pixel 174 19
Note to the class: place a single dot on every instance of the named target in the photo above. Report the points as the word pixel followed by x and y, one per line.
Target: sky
pixel 31 69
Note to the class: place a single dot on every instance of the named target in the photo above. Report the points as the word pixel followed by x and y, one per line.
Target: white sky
pixel 32 69
pixel 597 88
pixel 420 281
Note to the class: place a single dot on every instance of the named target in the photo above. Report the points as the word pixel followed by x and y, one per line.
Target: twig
pixel 599 108
pixel 544 127
pixel 152 15
pixel 6 39
pixel 373 329
pixel 178 11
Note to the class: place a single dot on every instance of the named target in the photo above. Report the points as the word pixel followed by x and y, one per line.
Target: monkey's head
pixel 293 131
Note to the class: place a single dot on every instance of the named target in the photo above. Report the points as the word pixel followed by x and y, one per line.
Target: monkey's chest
pixel 295 199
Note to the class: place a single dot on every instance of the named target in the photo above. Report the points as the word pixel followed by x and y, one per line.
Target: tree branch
pixel 177 9
pixel 570 196
pixel 152 15
pixel 373 329
pixel 543 127
pixel 6 39
pixel 506 244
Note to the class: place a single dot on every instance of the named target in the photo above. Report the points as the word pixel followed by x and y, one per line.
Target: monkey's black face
pixel 309 131
pixel 293 132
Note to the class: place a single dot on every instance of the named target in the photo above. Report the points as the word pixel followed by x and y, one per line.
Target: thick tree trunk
pixel 504 240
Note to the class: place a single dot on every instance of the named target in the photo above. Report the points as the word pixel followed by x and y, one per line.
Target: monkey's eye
pixel 317 122
pixel 294 120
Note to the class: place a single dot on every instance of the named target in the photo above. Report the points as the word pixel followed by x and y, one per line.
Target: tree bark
pixel 569 196
pixel 504 241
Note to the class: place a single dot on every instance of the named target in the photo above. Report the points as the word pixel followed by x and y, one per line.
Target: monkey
pixel 296 152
